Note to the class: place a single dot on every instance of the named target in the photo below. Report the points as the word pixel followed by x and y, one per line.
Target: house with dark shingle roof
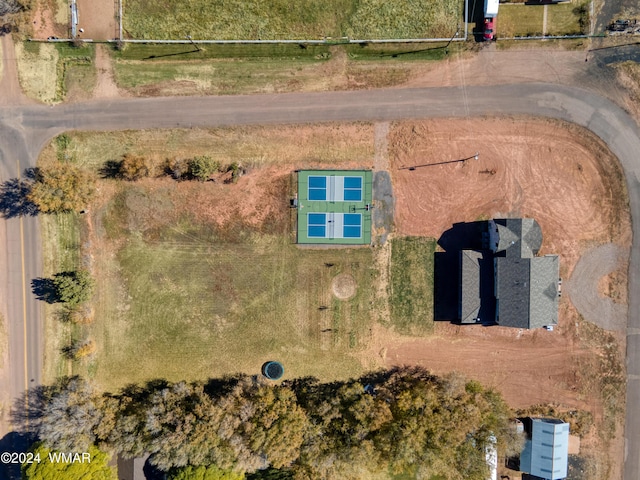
pixel 525 286
pixel 470 301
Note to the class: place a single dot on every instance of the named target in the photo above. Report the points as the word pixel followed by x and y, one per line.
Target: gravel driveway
pixel 582 287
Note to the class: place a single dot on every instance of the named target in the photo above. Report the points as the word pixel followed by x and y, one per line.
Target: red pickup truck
pixel 489 28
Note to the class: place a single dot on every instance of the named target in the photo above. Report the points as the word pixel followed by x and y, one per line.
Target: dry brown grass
pixel 37 70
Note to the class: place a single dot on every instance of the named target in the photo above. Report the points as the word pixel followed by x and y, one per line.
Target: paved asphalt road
pixel 25 129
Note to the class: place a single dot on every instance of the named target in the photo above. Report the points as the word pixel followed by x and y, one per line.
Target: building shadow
pixel 475 15
pixel 447 267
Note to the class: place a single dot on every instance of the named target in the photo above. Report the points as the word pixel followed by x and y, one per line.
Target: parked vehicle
pixel 490 14
pixel 489 28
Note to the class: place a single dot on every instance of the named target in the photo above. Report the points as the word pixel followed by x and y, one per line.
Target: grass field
pixel 280 19
pixel 519 20
pixel 411 284
pixel 49 72
pixel 528 20
pixel 564 19
pixel 231 69
pixel 61 252
pixel 183 297
pixel 200 302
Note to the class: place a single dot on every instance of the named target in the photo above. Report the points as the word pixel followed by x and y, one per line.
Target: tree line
pixel 398 420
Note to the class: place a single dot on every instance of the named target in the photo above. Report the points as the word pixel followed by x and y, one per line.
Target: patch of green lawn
pixel 564 19
pixel 216 77
pixel 217 69
pixel 231 69
pixel 519 20
pixel 411 284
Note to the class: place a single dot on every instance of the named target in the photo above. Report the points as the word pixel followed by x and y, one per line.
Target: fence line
pixel 120 20
pixel 549 37
pixel 344 41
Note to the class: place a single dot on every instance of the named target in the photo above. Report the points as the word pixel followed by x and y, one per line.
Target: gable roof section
pixel 518 237
pixel 513 291
pixel 546 453
pixel 469 285
pixel 527 291
pixel 543 300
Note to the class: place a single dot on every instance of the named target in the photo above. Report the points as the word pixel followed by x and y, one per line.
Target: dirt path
pixel 381 155
pixel 582 287
pixel 105 85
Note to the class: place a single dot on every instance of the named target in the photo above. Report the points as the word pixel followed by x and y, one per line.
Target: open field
pixel 567 19
pixel 221 288
pixel 52 73
pixel 146 70
pixel 281 20
pixel 203 301
pixel 519 20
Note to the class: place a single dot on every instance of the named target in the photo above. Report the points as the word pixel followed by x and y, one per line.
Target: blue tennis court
pixel 317 225
pixel 334 188
pixel 334 225
pixel 318 188
pixel 352 225
pixel 352 189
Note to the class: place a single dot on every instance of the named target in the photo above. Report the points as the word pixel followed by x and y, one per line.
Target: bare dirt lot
pixel 559 174
pixel 98 19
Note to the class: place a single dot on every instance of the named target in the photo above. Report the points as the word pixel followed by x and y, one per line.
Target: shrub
pixel 133 167
pixel 62 188
pixel 82 315
pixel 203 167
pixel 177 168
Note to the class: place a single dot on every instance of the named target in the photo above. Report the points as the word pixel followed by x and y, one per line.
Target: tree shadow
pixel 29 408
pixel 13 442
pixel 110 169
pixel 14 201
pixel 45 289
